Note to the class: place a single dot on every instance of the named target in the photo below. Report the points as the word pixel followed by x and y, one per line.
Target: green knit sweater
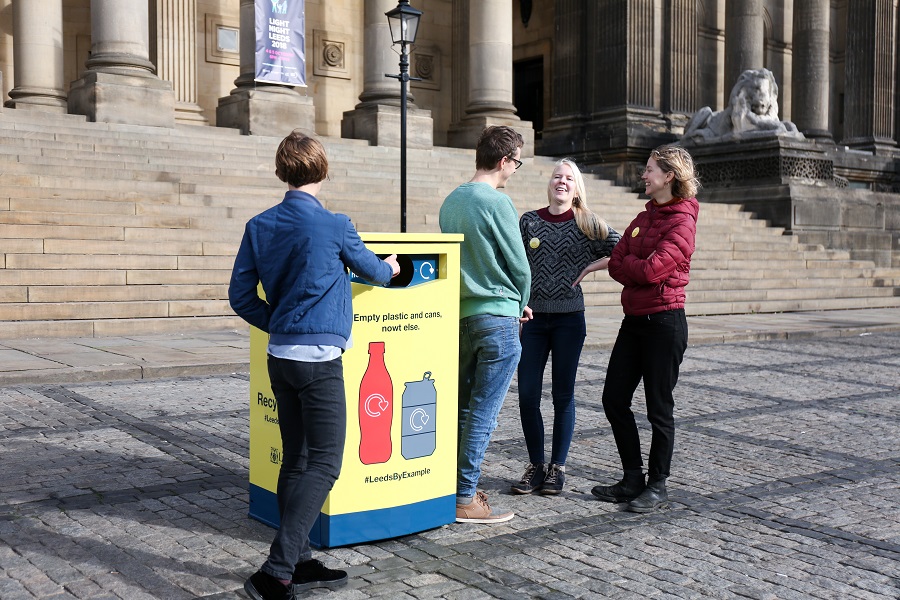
pixel 495 278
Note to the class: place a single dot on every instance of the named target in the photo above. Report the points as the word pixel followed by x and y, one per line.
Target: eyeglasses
pixel 518 162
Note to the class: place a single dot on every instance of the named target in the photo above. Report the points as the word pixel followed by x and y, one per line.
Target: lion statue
pixel 752 110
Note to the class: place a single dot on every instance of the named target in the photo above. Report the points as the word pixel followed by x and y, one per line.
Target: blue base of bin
pixel 330 531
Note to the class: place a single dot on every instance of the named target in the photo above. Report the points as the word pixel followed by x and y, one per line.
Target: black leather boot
pixel 652 498
pixel 629 488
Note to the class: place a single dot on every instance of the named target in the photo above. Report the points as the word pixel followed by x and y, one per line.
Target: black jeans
pixel 649 347
pixel 312 417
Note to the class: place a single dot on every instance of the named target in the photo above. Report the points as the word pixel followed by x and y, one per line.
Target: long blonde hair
pixel 590 224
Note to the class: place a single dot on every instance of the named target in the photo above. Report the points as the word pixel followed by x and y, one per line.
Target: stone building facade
pixel 603 82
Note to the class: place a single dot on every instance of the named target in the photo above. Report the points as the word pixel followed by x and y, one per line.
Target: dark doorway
pixel 528 92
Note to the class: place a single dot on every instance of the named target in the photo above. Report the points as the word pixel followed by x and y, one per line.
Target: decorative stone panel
pixel 426 65
pixel 329 54
pixel 766 167
pixel 222 40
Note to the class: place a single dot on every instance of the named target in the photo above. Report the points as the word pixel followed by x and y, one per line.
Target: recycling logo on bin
pixel 415 269
pixel 417 436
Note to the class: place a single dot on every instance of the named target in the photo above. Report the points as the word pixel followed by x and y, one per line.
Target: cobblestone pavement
pixel 785 485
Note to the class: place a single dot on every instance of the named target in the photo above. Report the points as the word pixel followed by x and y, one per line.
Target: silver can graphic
pixel 417 436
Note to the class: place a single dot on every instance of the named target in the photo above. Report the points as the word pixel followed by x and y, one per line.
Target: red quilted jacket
pixel 653 258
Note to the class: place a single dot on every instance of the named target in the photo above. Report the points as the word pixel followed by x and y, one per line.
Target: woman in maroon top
pixel 653 262
pixel 564 242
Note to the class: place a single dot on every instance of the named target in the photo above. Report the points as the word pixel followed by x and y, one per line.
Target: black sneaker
pixel 553 482
pixel 531 480
pixel 313 574
pixel 262 586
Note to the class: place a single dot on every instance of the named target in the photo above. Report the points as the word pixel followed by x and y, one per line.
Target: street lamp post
pixel 404 24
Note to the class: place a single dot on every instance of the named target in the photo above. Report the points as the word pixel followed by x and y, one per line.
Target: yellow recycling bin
pixel 401 377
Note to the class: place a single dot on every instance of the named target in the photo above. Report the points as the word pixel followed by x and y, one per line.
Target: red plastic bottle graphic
pixel 376 409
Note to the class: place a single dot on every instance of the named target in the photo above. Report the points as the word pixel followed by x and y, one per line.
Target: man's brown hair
pixel 496 142
pixel 301 160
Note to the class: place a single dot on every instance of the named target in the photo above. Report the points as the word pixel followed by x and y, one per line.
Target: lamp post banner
pixel 280 37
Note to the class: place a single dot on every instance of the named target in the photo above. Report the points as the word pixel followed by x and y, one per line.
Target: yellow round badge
pixel 635 231
pixel 534 243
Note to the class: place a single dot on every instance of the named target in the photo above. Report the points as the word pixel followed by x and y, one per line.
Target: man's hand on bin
pixel 395 266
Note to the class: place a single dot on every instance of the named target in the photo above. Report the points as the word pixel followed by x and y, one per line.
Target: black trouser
pixel 312 418
pixel 649 347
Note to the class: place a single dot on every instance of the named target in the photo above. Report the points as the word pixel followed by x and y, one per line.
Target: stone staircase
pixel 118 230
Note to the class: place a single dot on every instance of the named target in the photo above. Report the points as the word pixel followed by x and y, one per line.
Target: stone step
pixel 786 294
pixel 792 279
pixel 117 309
pixel 123 248
pixel 714 261
pixel 132 261
pixel 775 306
pixel 802 258
pixel 30 185
pixel 33 151
pixel 116 326
pixel 735 284
pixel 69 232
pixel 32 279
pixel 129 170
pixel 27 277
pixel 84 217
pixel 695 308
pixel 125 293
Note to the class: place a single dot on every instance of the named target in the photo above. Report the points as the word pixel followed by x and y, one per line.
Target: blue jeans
pixel 489 350
pixel 650 348
pixel 562 335
pixel 312 417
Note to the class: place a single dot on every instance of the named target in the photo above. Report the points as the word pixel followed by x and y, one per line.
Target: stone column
pixel 744 40
pixel 870 75
pixel 810 84
pixel 119 85
pixel 568 73
pixel 490 67
pixel 570 87
pixel 377 116
pixel 380 57
pixel 258 108
pixel 490 90
pixel 459 80
pixel 38 56
pixel 680 54
pixel 176 56
pixel 615 72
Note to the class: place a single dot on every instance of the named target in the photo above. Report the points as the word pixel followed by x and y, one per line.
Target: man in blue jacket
pixel 300 253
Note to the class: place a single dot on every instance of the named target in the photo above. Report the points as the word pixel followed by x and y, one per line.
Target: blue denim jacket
pixel 300 253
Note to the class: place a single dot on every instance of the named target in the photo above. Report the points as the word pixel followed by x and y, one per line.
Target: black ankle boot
pixel 652 498
pixel 629 488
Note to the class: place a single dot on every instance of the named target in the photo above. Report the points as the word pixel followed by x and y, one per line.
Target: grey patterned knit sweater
pixel 557 252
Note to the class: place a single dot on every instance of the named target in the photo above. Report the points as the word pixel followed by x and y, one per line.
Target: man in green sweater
pixel 494 288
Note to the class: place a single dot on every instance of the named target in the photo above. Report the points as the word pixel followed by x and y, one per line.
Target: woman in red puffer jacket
pixel 653 263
